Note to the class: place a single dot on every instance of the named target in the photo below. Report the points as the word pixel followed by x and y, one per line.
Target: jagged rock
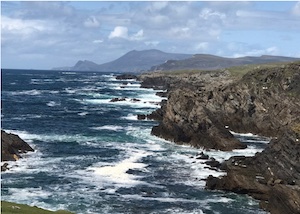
pixel 162 94
pixel 4 167
pixel 202 156
pixel 126 77
pixel 135 100
pixel 265 101
pixel 12 146
pixel 213 163
pixel 141 117
pixel 117 99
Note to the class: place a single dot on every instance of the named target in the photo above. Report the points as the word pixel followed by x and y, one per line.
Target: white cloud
pixel 208 14
pixel 119 32
pixel 258 52
pixel 138 36
pixel 152 43
pixel 296 9
pixel 159 5
pixel 20 26
pixel 203 46
pixel 122 32
pixel 98 41
pixel 91 22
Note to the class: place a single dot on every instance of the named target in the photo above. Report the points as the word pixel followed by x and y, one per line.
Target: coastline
pixel 202 107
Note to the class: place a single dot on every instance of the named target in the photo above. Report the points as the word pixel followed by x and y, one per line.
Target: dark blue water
pixel 94 156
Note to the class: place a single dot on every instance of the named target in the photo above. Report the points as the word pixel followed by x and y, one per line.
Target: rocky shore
pixel 12 146
pixel 202 107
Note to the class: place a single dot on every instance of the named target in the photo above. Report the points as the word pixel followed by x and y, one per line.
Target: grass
pixel 235 71
pixel 12 208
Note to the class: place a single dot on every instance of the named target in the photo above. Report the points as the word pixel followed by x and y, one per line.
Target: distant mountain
pixel 156 60
pixel 211 62
pixel 133 61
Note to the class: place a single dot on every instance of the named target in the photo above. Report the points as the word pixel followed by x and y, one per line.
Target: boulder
pixel 12 146
pixel 117 99
pixel 126 77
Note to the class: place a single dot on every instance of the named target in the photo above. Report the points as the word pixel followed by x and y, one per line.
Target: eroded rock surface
pixel 12 146
pixel 203 107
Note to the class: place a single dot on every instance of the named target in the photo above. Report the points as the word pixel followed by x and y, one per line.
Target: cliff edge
pixel 202 107
pixel 12 146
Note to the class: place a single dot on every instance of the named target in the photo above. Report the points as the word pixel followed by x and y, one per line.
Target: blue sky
pixel 43 35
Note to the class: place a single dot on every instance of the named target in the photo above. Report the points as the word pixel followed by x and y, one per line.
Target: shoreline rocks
pixel 203 107
pixel 12 146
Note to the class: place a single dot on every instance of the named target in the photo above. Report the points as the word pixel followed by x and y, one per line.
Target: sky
pixel 43 35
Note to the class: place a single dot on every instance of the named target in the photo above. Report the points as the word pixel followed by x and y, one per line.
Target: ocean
pixel 94 156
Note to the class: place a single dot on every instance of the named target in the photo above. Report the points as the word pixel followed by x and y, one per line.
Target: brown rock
pixel 12 146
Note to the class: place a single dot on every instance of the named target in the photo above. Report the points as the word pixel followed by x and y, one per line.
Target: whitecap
pixel 83 113
pixel 116 173
pixel 53 103
pixel 33 92
pixel 130 117
pixel 109 127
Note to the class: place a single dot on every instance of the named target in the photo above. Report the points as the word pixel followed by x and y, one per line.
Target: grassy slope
pixel 12 208
pixel 235 71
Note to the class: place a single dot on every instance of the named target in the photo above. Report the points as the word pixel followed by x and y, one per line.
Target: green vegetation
pixel 12 208
pixel 235 71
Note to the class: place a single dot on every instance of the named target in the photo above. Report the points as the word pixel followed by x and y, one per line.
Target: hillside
pixel 133 61
pixel 211 62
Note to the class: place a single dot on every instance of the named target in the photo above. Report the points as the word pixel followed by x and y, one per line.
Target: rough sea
pixel 94 156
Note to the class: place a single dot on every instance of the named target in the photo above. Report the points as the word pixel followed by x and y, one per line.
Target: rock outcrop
pixel 272 176
pixel 126 77
pixel 201 111
pixel 12 146
pixel 203 107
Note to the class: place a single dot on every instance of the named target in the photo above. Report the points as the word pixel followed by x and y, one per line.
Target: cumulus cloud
pixel 20 26
pixel 122 32
pixel 138 36
pixel 51 28
pixel 119 32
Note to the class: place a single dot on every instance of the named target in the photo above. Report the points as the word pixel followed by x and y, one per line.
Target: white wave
pixel 130 117
pixel 28 137
pixel 83 113
pixel 23 195
pixel 117 172
pixel 108 127
pixel 54 92
pixel 33 92
pixel 126 102
pixel 69 73
pixel 161 199
pixel 53 103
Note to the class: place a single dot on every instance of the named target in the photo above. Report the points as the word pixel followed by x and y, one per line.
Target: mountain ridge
pixel 156 60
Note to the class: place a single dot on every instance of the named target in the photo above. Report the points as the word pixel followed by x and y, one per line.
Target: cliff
pixel 12 146
pixel 202 107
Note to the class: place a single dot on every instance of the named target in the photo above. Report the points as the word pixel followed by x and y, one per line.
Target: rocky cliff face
pixel 12 146
pixel 202 108
pixel 272 176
